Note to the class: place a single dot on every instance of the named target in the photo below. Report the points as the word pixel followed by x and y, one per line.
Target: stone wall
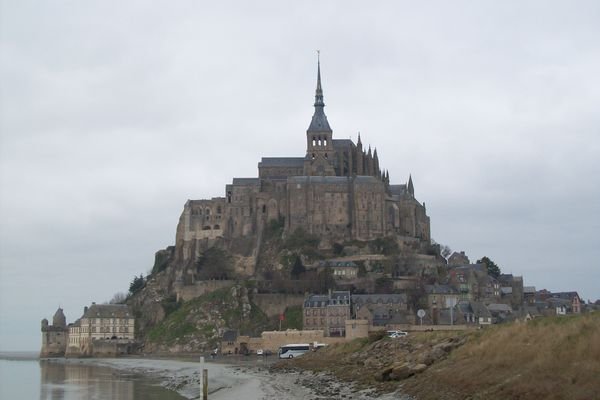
pixel 273 340
pixel 189 292
pixel 357 328
pixel 112 348
pixel 275 303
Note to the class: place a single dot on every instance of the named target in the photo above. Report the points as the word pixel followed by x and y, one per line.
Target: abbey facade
pixel 337 190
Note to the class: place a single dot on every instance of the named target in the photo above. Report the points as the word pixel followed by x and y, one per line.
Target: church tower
pixel 319 142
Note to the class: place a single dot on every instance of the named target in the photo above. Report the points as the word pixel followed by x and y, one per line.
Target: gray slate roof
pixel 362 299
pixel 342 143
pixel 398 190
pixel 497 307
pixel 108 311
pixel 338 297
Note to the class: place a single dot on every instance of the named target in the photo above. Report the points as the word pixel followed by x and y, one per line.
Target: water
pixel 24 377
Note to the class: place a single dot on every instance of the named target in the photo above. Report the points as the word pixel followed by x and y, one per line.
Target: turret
pixel 376 170
pixel 59 318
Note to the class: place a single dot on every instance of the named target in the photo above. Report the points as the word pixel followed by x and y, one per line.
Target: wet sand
pixel 247 380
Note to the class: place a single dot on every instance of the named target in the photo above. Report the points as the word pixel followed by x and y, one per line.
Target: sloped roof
pixel 480 310
pixel 565 295
pixel 108 311
pixel 398 190
pixel 498 307
pixel 361 299
pixel 342 143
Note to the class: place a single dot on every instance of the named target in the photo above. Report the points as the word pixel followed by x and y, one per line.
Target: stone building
pixel 106 327
pixel 55 336
pixel 337 190
pixel 327 312
pixel 382 309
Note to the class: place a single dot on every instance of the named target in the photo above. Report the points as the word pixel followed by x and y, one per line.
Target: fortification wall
pixel 190 292
pixel 111 348
pixel 273 340
pixel 275 303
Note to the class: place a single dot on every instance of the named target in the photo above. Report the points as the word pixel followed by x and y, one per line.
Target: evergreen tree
pixel 297 269
pixel 492 268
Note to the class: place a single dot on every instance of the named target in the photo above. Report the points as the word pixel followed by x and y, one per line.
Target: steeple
pixel 319 121
pixel 411 187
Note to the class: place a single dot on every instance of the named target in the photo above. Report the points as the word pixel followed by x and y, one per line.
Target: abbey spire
pixel 319 121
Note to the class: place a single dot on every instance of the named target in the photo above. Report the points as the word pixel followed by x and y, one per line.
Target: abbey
pixel 337 190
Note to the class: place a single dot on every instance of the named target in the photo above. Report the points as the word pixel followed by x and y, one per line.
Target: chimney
pixel 85 309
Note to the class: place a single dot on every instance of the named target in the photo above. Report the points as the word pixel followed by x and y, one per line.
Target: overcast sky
pixel 113 114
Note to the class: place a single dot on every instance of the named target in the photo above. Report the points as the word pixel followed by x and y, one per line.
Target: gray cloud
pixel 113 114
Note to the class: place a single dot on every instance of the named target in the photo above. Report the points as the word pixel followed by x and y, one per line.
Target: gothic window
pixel 264 208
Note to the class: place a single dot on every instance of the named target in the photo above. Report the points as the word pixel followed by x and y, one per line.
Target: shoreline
pixel 228 377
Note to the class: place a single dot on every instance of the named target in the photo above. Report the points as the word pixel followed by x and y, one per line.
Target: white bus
pixel 293 350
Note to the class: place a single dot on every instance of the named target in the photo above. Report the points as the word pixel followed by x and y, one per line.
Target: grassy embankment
pixel 548 358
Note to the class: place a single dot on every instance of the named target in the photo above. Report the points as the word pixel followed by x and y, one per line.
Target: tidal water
pixel 22 376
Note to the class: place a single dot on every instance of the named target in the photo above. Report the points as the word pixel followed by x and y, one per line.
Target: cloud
pixel 113 114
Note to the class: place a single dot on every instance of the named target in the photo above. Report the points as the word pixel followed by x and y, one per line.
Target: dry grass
pixel 549 358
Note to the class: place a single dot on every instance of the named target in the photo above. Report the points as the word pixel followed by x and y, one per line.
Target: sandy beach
pixel 249 380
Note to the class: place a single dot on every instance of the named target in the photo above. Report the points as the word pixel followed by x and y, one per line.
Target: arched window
pixel 216 227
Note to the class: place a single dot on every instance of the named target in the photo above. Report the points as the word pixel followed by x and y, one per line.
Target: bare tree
pixel 118 298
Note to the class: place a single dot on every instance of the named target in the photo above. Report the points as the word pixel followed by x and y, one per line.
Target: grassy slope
pixel 548 358
pixel 203 317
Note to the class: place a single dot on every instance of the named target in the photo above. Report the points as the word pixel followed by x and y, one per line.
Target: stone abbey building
pixel 337 190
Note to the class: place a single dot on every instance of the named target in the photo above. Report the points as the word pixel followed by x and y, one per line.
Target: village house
pixel 441 296
pixel 573 301
pixel 511 290
pixel 458 259
pixel 339 269
pixel 327 312
pixel 103 328
pixel 382 309
pixel 473 312
pixel 465 280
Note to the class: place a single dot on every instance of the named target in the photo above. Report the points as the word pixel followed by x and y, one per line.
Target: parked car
pixel 397 334
pixel 259 352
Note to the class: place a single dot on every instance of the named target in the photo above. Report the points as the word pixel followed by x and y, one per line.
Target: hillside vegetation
pixel 547 358
pixel 197 325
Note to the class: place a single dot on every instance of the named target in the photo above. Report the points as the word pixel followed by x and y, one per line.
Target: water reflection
pixel 72 381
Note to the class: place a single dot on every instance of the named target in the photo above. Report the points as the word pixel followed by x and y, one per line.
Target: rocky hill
pixel 196 326
pixel 547 358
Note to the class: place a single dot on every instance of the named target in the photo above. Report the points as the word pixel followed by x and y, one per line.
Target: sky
pixel 114 113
